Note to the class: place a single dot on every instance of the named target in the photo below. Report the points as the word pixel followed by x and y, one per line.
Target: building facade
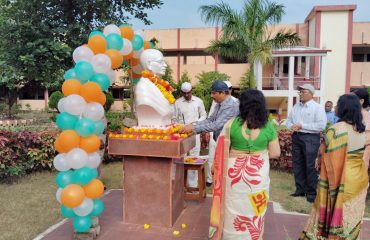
pixel 326 29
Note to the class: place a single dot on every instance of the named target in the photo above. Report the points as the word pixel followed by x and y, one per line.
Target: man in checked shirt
pixel 225 109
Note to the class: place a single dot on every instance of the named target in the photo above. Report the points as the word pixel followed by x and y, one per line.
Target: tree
pixel 54 99
pixel 203 87
pixel 245 36
pixel 37 37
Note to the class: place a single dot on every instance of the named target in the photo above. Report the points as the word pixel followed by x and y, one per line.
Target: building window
pixel 117 93
pixel 358 57
pixel 367 57
pixel 32 93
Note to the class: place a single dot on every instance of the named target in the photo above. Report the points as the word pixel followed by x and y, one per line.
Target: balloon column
pixel 81 118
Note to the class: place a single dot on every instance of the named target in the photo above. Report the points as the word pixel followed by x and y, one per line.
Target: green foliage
pixel 284 162
pixel 203 87
pixel 247 81
pixel 115 121
pixel 184 78
pixel 168 76
pixel 245 36
pixel 37 37
pixel 109 102
pixel 24 152
pixel 54 99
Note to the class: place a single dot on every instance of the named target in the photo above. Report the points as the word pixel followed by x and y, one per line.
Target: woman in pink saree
pixel 241 171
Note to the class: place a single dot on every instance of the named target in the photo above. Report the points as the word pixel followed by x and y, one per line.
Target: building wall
pixel 361 33
pixel 35 104
pixel 334 36
pixel 311 32
pixel 360 74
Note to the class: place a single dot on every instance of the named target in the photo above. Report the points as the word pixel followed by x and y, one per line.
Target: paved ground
pixel 278 225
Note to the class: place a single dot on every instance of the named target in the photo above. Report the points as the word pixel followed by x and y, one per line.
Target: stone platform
pixel 278 225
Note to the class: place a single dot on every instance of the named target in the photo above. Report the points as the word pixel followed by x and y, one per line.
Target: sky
pixel 184 13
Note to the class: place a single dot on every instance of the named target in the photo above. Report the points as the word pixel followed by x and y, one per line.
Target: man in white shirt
pixel 211 141
pixel 189 109
pixel 307 120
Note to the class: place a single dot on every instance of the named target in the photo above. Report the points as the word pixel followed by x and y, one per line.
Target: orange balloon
pixel 135 61
pixel 71 86
pixel 128 56
pixel 127 32
pixel 94 189
pixel 90 144
pixel 97 44
pixel 69 139
pixel 72 195
pixel 90 91
pixel 115 57
pixel 147 45
pixel 101 99
pixel 58 147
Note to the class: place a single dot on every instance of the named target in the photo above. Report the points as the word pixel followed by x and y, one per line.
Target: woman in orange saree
pixel 241 171
pixel 340 203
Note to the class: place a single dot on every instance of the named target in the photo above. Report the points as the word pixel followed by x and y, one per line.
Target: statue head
pixel 153 61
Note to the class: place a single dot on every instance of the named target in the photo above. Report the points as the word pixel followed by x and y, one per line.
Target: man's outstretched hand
pixel 187 129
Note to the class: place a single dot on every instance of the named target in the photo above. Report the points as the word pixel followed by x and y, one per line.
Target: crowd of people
pixel 329 154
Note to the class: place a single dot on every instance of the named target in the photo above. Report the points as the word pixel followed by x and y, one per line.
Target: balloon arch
pixel 81 118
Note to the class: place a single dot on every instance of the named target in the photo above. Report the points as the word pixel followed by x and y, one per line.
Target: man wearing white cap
pixel 307 119
pixel 190 109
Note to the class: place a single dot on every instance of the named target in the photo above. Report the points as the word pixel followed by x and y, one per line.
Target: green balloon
pixel 84 71
pixel 102 80
pixel 66 121
pixel 83 176
pixel 98 208
pixel 99 127
pixel 137 42
pixel 96 33
pixel 114 41
pixel 69 74
pixel 67 212
pixel 64 178
pixel 82 224
pixel 85 127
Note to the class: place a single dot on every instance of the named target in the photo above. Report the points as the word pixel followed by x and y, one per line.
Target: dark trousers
pixel 305 147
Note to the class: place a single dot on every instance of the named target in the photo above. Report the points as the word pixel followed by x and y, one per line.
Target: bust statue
pixel 153 109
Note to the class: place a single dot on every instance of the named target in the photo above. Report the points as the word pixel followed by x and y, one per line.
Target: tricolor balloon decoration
pixel 81 118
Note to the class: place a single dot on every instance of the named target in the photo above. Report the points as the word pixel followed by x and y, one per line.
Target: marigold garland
pixel 162 85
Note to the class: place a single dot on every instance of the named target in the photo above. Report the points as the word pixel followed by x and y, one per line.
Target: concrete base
pixel 153 190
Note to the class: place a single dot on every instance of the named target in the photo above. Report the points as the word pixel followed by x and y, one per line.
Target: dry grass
pixel 28 207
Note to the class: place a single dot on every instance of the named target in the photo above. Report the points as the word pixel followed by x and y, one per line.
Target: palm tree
pixel 245 36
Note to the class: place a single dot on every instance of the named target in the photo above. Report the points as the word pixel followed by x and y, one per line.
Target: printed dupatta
pixel 219 166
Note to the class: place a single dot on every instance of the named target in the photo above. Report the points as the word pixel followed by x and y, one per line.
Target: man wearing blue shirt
pixel 307 119
pixel 330 115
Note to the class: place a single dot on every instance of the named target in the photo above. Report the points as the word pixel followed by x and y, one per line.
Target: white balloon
pixel 84 208
pixel 82 53
pixel 60 162
pixel 112 76
pixel 94 160
pixel 101 63
pixel 74 104
pixel 58 194
pixel 61 107
pixel 140 33
pixel 94 111
pixel 111 28
pixel 138 53
pixel 137 69
pixel 126 48
pixel 77 158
